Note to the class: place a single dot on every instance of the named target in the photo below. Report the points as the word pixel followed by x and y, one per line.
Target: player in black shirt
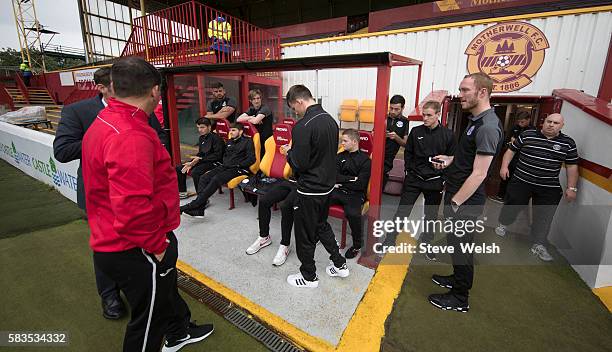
pixel 259 115
pixel 210 153
pixel 424 142
pixel 221 106
pixel 397 133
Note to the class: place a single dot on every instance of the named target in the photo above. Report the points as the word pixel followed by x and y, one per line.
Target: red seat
pixel 222 128
pixel 337 211
pixel 289 121
pixel 396 178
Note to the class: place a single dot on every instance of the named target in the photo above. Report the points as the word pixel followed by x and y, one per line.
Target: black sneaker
pixel 195 333
pixel 448 301
pixel 351 253
pixel 195 213
pixel 443 281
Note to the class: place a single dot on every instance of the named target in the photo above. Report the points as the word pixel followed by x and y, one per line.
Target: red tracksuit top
pixel 130 184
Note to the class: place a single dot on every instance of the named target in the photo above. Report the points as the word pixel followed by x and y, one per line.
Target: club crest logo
pixel 399 124
pixel 511 53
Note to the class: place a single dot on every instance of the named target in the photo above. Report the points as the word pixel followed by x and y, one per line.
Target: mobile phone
pixel 437 161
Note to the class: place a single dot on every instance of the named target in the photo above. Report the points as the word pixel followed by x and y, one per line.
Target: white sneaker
pixel 541 252
pixel 342 271
pixel 500 230
pixel 297 280
pixel 259 243
pixel 183 195
pixel 281 255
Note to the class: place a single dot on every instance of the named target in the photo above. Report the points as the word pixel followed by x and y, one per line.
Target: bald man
pixel 536 177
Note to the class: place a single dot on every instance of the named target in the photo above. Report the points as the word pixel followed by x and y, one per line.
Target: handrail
pixel 6 98
pixel 193 33
pixel 22 87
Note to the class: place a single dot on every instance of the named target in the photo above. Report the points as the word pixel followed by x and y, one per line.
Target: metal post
pixel 418 87
pixel 173 120
pixel 144 28
pixel 378 155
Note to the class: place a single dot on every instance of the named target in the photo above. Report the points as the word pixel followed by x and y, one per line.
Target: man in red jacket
pixel 132 205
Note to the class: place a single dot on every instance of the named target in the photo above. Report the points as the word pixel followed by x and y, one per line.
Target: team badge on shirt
pixel 399 124
pixel 470 130
pixel 556 147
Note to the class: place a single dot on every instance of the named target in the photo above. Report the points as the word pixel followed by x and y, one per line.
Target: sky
pixel 57 15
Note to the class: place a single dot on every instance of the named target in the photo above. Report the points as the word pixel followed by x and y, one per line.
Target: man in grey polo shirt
pixel 465 195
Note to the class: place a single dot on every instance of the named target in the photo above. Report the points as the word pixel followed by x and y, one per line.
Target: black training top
pixel 239 153
pixel 353 171
pixel 424 143
pixel 312 156
pixel 210 148
pixel 483 135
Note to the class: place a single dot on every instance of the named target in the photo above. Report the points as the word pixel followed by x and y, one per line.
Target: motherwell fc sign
pixel 511 53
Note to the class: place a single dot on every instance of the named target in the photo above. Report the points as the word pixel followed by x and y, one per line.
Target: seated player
pixel 352 177
pixel 239 156
pixel 210 154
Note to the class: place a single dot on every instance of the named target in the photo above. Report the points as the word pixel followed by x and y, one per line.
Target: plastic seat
pixel 337 211
pixel 348 111
pixel 273 163
pixel 251 132
pixel 366 115
pixel 289 121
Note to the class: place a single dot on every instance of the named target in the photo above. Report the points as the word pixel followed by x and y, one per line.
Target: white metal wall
pixel 575 59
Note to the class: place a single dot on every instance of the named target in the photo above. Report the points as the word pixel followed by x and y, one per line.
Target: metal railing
pixel 192 33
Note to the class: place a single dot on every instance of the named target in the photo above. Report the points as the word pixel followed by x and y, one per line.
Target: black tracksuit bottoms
pixel 157 309
pixel 412 189
pixel 543 199
pixel 284 191
pixel 211 181
pixel 351 203
pixel 463 262
pixel 196 172
pixel 311 226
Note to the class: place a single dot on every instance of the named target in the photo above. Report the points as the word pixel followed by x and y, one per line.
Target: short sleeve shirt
pixel 216 105
pixel 398 125
pixel 265 127
pixel 483 135
pixel 540 158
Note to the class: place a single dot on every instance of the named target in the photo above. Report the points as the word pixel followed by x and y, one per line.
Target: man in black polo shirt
pixel 312 157
pixel 523 118
pixel 259 115
pixel 397 133
pixel 210 153
pixel 542 153
pixel 465 194
pixel 221 106
pixel 424 142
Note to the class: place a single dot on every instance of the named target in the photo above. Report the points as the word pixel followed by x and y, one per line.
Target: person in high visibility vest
pixel 26 73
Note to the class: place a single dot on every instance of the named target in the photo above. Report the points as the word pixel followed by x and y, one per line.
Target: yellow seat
pixel 348 111
pixel 366 114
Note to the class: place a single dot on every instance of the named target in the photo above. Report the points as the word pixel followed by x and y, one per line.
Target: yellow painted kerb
pixel 367 326
pixel 605 295
pixel 296 335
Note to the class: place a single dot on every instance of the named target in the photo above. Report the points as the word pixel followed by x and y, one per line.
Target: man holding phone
pixel 465 195
pixel 424 142
pixel 397 130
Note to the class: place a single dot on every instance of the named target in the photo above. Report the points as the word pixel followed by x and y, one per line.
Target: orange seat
pixel 251 132
pixel 366 114
pixel 348 111
pixel 337 211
